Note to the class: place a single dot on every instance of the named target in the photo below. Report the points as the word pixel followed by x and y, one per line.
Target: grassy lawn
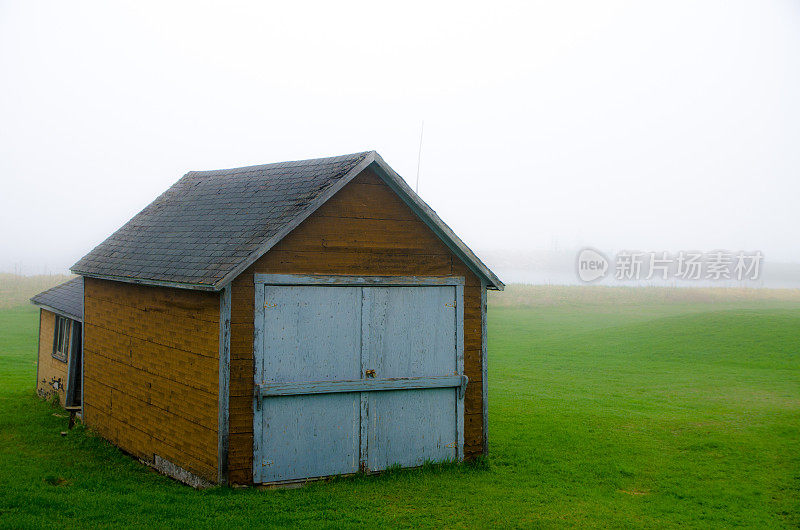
pixel 606 409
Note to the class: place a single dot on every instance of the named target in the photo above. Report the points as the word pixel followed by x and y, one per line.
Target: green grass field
pixel 634 408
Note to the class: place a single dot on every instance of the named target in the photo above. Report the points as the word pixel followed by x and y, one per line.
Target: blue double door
pixel 330 350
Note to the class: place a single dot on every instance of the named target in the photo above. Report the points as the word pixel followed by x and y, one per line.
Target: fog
pixel 549 126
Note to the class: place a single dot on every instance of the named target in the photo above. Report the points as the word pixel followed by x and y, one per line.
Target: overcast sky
pixel 654 126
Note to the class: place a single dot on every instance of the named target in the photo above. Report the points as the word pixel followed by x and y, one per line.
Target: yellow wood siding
pixel 151 361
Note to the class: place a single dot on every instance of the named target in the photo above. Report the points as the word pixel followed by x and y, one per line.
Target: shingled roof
pixel 211 225
pixel 65 299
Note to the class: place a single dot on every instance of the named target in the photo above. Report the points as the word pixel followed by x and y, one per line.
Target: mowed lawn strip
pixel 605 410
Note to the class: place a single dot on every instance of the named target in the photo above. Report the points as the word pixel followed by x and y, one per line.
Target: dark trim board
pixel 75 348
pixel 484 373
pixel 83 356
pixel 223 419
pixel 38 351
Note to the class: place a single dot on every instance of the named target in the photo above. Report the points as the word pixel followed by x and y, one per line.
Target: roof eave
pixel 435 223
pixel 52 309
pixel 156 283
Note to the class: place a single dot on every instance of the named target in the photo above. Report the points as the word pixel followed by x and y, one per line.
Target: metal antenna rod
pixel 419 154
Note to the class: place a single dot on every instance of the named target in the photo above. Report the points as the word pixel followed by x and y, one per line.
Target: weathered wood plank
pixel 223 422
pixel 460 369
pixel 142 445
pixel 358 385
pixel 183 367
pixel 191 404
pixel 354 261
pixel 184 333
pixel 364 234
pixel 188 437
pixel 358 198
pixel 200 305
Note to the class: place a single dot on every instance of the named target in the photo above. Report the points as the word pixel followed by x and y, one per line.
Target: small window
pixel 62 339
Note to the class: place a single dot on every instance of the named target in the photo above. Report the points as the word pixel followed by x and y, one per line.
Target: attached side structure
pixel 284 322
pixel 59 359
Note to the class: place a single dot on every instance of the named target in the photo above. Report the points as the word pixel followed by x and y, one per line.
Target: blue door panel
pixel 310 334
pixel 410 332
pixel 310 436
pixel 342 333
pixel 411 427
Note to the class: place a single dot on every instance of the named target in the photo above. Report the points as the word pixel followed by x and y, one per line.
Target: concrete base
pixel 166 467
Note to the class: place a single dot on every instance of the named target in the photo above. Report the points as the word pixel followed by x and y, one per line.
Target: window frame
pixel 62 338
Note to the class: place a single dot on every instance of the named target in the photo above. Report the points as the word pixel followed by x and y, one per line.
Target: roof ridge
pixel 288 163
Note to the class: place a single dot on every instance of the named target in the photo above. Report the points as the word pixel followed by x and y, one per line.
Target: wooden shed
pixel 277 323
